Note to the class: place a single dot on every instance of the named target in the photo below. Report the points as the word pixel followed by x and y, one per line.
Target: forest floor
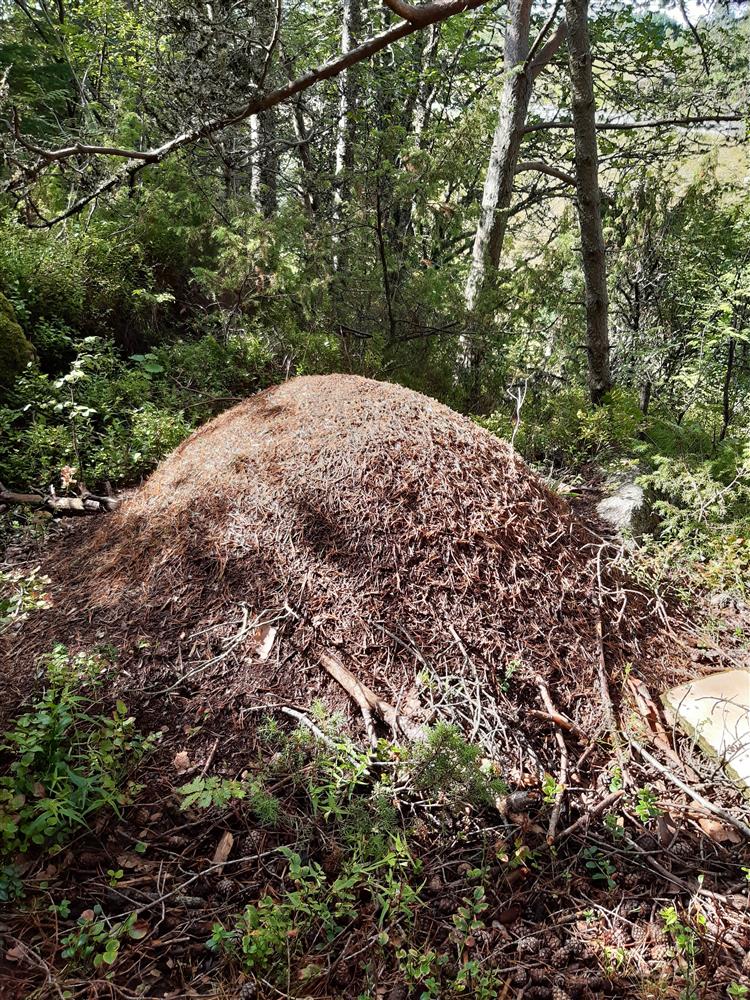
pixel 547 834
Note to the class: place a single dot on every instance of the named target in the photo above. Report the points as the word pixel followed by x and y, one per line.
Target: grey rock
pixel 625 510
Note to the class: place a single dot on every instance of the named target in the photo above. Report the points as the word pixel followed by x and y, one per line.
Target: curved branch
pixel 422 15
pixel 546 168
pixel 431 13
pixel 629 126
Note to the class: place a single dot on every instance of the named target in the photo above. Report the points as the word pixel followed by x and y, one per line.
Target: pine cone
pixel 640 933
pixel 558 993
pixel 520 976
pixel 682 849
pixel 587 979
pixel 537 974
pixel 225 887
pixel 560 957
pixel 660 952
pixel 248 991
pixel 620 936
pixel 585 951
pixel 527 945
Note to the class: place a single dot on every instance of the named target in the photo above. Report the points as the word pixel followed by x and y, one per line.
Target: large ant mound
pixel 340 514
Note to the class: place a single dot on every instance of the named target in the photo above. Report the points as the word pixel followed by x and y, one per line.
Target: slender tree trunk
pixel 589 199
pixel 309 171
pixel 350 18
pixel 521 69
pixel 726 401
pixel 427 88
pixel 423 112
pixel 506 144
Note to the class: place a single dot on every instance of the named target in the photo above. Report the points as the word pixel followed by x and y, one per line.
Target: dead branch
pixel 559 794
pixel 369 703
pixel 560 720
pixel 546 168
pixel 738 825
pixel 82 506
pixel 592 813
pixel 609 712
pixel 683 122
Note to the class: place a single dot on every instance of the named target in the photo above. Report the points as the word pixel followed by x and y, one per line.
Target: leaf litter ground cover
pixel 356 560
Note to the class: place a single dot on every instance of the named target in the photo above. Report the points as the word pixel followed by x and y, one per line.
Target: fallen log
pixel 82 506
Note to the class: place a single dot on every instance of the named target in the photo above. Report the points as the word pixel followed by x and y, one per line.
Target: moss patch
pixel 15 350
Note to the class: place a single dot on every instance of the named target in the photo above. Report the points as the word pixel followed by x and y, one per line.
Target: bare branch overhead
pixel 431 13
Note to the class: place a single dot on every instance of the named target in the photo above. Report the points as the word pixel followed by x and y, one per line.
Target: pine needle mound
pixel 346 515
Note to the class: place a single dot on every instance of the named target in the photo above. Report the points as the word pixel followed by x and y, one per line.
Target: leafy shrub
pixel 107 420
pixel 447 768
pixel 66 764
pixel 567 430
pixel 704 510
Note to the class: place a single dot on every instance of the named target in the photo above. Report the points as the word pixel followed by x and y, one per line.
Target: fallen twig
pixel 560 792
pixel 592 813
pixel 609 711
pixel 367 700
pixel 743 828
pixel 89 503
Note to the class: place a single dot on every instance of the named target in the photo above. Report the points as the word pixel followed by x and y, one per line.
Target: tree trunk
pixel 521 69
pixel 350 19
pixel 588 199
pixel 726 401
pixel 506 144
pixel 265 162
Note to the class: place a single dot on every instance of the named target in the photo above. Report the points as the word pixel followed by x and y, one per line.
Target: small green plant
pixel 447 768
pixel 551 788
pixel 646 807
pixel 20 594
pixel 600 868
pixel 215 792
pixel 467 919
pixel 11 883
pixel 422 969
pixel 67 763
pixel 97 942
pixel 114 875
pixel 737 991
pixel 685 933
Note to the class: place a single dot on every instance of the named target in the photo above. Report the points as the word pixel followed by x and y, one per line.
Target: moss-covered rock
pixel 15 350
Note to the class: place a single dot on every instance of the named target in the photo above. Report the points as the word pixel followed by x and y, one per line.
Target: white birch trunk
pixel 349 19
pixel 506 144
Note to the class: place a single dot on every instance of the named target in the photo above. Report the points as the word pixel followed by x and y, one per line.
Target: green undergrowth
pixel 110 419
pixel 697 484
pixel 347 867
pixel 355 861
pixel 66 760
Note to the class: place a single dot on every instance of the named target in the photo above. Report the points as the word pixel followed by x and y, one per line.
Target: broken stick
pixel 369 703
